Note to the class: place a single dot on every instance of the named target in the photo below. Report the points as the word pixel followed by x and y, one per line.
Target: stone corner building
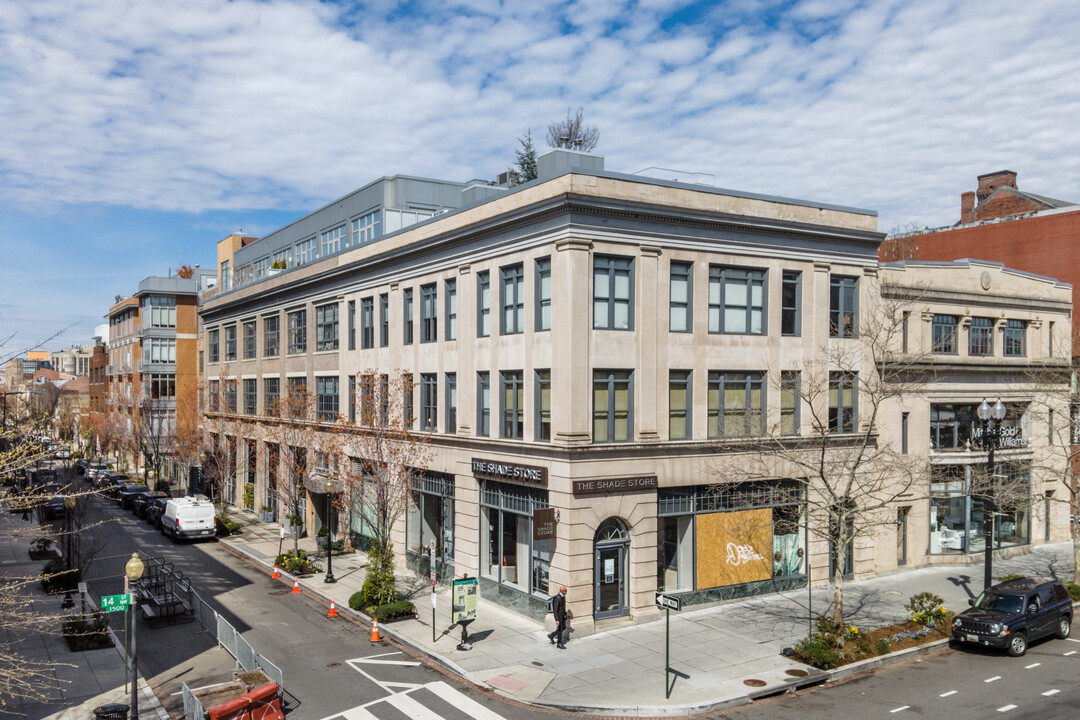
pixel 593 347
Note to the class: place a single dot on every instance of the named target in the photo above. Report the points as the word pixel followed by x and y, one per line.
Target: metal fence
pixel 272 671
pixel 193 708
pixel 235 644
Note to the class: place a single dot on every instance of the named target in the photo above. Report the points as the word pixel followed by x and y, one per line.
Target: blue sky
pixel 134 134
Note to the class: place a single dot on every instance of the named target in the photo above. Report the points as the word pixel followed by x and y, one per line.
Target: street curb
pixel 884 660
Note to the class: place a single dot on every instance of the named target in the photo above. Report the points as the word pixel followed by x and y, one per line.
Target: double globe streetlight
pixel 991 418
pixel 133 570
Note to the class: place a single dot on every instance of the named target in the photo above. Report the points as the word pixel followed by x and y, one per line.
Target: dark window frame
pixel 726 278
pixel 367 323
pixel 512 415
pixel 512 299
pixel 542 296
pixel 608 381
pixel 843 418
pixel 429 312
pixel 843 306
pixel 612 267
pixel 791 303
pixel 271 337
pixel 681 272
pixel 721 381
pixel 681 380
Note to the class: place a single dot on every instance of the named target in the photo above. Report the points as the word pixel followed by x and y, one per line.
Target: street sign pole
pixel 431 553
pixel 667 655
pixel 126 639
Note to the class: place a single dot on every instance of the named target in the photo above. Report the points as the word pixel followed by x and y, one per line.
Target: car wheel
pixel 1018 645
pixel 1064 627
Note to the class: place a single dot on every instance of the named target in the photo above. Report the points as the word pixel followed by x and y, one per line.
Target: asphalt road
pixel 955 684
pixel 331 669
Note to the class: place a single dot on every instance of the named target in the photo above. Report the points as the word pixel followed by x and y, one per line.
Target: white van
pixel 187 518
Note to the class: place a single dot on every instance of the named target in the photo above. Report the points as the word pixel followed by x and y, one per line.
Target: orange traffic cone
pixel 375 631
pixel 275 576
pixel 333 610
pixel 295 587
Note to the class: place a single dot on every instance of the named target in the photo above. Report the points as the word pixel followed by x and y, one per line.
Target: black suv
pixel 1013 613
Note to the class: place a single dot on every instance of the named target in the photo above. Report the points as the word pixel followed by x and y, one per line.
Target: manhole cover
pixel 537 663
pixel 333 665
pixel 753 682
pixel 797 673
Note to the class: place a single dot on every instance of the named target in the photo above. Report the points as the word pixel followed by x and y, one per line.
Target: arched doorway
pixel 611 554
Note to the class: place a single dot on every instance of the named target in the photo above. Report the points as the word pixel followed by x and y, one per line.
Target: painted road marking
pixel 1072 640
pixel 462 702
pixel 1048 693
pixel 1028 667
pixel 947 694
pixel 1071 652
pixel 996 677
pixel 902 707
pixel 412 709
pixel 1007 708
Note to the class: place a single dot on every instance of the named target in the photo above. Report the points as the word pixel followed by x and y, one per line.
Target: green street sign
pixel 115 603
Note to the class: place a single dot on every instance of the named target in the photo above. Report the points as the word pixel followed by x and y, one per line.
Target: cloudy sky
pixel 135 134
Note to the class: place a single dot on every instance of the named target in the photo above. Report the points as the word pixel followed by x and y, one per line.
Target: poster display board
pixel 466 593
pixel 734 547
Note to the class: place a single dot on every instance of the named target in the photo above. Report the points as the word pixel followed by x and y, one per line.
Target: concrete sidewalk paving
pixel 716 649
pixel 74 682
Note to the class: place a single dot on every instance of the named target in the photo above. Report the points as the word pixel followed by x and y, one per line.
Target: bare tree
pixel 380 457
pixel 295 435
pixel 187 434
pixel 156 432
pixel 219 438
pixel 572 133
pixel 849 480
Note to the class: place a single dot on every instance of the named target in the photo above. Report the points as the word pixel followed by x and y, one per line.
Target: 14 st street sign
pixel 115 603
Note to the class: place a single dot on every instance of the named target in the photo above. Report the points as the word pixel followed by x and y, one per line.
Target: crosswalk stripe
pixel 412 708
pixel 462 702
pixel 358 713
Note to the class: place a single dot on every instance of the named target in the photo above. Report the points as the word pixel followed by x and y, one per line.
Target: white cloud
pixel 285 103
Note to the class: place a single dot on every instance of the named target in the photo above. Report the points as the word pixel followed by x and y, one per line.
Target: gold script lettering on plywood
pixel 734 547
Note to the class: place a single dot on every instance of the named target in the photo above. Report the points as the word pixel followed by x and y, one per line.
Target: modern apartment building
pixel 74 360
pixel 598 357
pixel 152 364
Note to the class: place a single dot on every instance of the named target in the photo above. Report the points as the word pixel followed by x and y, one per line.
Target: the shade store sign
pixel 615 485
pixel 525 474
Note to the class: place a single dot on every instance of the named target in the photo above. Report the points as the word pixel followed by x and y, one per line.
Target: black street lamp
pixel 991 418
pixel 133 570
pixel 329 533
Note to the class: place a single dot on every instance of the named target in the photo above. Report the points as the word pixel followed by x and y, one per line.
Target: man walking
pixel 559 611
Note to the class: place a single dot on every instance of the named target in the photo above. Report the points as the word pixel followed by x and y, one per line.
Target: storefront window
pixel 676 561
pixel 953 426
pixel 509 555
pixel 957 518
pixel 431 517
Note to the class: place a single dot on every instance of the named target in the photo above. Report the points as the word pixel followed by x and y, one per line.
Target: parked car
pixel 110 484
pixel 141 502
pixel 54 508
pixel 126 494
pixel 154 510
pixel 188 518
pixel 93 472
pixel 1012 614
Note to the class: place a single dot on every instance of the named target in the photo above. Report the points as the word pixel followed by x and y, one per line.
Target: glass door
pixel 901 536
pixel 610 586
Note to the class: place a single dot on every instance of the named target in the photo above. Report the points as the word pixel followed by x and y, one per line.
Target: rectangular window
pixel 213 348
pixel 162 386
pixel 298 332
pixel 736 404
pixel 271 335
pixel 366 229
pixel 226 276
pixel 736 300
pixel 451 309
pixel 904 332
pixel 283 258
pixel 230 343
pixel 162 310
pixel 407 406
pixel 305 251
pixel 680 317
pixel 326 398
pixel 981 336
pixel 261 267
pixel 612 293
pixel 352 324
pixel 251 396
pixel 843 401
pixel 843 297
pixel 1050 346
pixel 1015 340
pixel 330 241
pixel 483 304
pixel 789 402
pixel 367 323
pixel 271 395
pixel 326 327
pixel 352 398
pixel 543 405
pixel 512 299
pixel 213 389
pixel 407 315
pixel 543 294
pixel 297 387
pixel 943 334
pixel 159 350
pixel 904 433
pixel 384 320
pixel 512 404
pixel 367 400
pixel 429 401
pixel 451 403
pixel 249 340
pixel 613 398
pixel 429 313
pixel 791 303
pixel 679 393
pixel 230 396
pixel 384 400
pixel 483 404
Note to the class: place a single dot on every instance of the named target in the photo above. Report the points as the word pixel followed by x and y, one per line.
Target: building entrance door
pixel 612 549
pixel 901 536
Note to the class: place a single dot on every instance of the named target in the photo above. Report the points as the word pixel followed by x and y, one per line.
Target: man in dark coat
pixel 559 611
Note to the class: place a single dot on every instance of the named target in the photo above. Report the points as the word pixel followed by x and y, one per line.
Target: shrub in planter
pixel 41 549
pixel 392 611
pixel 83 634
pixel 225 526
pixel 356 600
pixel 1074 591
pixel 1011 576
pixel 298 564
pixel 884 647
pixel 926 608
pixel 820 651
pixel 56 578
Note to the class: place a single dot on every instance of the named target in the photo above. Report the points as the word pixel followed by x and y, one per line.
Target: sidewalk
pixel 74 682
pixel 621 671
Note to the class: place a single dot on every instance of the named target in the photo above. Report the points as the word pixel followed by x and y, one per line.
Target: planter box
pixel 266 516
